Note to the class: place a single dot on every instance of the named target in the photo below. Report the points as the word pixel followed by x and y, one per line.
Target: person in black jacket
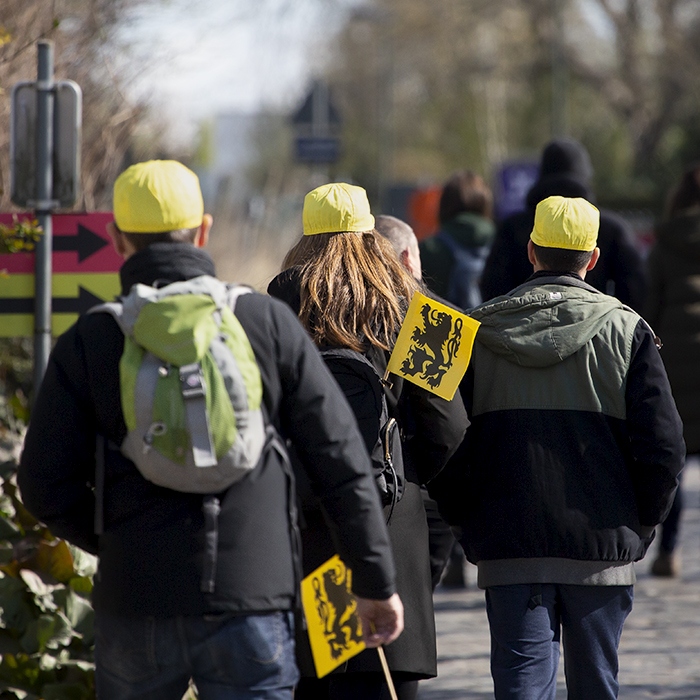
pixel 570 462
pixel 565 170
pixel 673 310
pixel 351 292
pixel 441 542
pixel 155 627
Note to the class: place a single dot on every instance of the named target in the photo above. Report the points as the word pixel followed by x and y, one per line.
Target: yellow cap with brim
pixel 335 208
pixel 566 222
pixel 157 196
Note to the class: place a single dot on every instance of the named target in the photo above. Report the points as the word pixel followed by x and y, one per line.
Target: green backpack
pixel 191 389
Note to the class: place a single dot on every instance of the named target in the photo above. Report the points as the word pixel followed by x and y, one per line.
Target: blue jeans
pixel 526 622
pixel 229 657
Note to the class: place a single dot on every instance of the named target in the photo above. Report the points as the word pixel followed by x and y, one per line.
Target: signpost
pixel 85 272
pixel 45 157
pixel 317 127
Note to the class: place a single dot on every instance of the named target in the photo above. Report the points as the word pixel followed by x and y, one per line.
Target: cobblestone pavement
pixel 660 647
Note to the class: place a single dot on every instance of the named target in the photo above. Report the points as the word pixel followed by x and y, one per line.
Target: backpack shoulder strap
pixel 116 310
pixel 450 242
pixel 234 292
pixel 363 367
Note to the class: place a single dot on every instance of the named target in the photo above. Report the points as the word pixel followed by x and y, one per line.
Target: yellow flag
pixel 335 629
pixel 434 346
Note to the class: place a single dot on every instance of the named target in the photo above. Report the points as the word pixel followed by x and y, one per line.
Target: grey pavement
pixel 660 647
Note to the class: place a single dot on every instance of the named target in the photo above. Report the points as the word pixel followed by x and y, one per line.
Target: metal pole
pixel 44 176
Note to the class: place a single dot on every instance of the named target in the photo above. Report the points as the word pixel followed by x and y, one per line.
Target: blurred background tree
pixel 426 88
pixel 89 50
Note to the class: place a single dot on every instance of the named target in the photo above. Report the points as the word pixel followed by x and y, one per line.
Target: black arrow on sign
pixel 85 242
pixel 59 305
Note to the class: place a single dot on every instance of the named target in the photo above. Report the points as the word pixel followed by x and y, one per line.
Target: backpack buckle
pixel 192 381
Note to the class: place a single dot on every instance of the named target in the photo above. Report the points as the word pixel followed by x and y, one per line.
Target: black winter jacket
pixel 673 310
pixel 151 552
pixel 620 270
pixel 433 429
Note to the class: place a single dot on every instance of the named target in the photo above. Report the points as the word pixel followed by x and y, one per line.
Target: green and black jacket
pixel 575 444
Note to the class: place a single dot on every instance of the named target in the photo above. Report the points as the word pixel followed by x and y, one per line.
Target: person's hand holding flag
pixel 382 620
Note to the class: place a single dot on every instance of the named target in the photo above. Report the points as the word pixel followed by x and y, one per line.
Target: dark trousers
pixel 527 623
pixel 671 526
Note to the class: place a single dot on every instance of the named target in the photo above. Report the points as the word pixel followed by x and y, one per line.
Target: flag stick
pixel 387 673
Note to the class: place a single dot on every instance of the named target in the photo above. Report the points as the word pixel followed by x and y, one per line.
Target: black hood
pixel 287 287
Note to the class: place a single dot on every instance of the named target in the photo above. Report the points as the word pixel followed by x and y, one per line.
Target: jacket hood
pixel 470 230
pixel 681 235
pixel 545 321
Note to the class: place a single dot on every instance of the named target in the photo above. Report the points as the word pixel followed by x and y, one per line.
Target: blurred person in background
pixel 351 292
pixel 673 310
pixel 453 262
pixel 566 170
pixel 454 258
pixel 403 241
pixel 441 540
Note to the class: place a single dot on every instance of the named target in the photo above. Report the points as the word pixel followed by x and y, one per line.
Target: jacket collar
pixel 163 263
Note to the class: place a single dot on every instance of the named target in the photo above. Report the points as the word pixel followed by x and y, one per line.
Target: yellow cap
pixel 157 196
pixel 336 207
pixel 566 222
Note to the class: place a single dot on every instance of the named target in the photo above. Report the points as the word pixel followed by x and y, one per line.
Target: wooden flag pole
pixel 385 667
pixel 387 673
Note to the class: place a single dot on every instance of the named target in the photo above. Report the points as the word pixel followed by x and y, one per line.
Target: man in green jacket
pixel 570 462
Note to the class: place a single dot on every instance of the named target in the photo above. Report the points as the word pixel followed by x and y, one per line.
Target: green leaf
pixel 81 584
pixel 84 563
pixel 7 553
pixel 47 632
pixel 78 611
pixel 15 609
pixel 36 584
pixel 8 530
pixel 9 643
pixel 56 558
pixel 66 691
pixel 7 507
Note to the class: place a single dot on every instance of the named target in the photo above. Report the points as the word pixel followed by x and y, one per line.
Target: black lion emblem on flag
pixel 434 346
pixel 338 611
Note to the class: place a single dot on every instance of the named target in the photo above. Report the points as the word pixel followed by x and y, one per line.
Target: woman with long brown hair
pixel 351 292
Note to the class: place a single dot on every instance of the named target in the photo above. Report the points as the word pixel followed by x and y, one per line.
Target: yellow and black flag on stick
pixel 434 346
pixel 334 627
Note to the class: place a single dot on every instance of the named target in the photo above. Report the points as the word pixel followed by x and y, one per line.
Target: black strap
pixel 355 356
pixel 275 442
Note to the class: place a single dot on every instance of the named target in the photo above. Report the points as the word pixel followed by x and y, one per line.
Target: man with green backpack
pixel 157 442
